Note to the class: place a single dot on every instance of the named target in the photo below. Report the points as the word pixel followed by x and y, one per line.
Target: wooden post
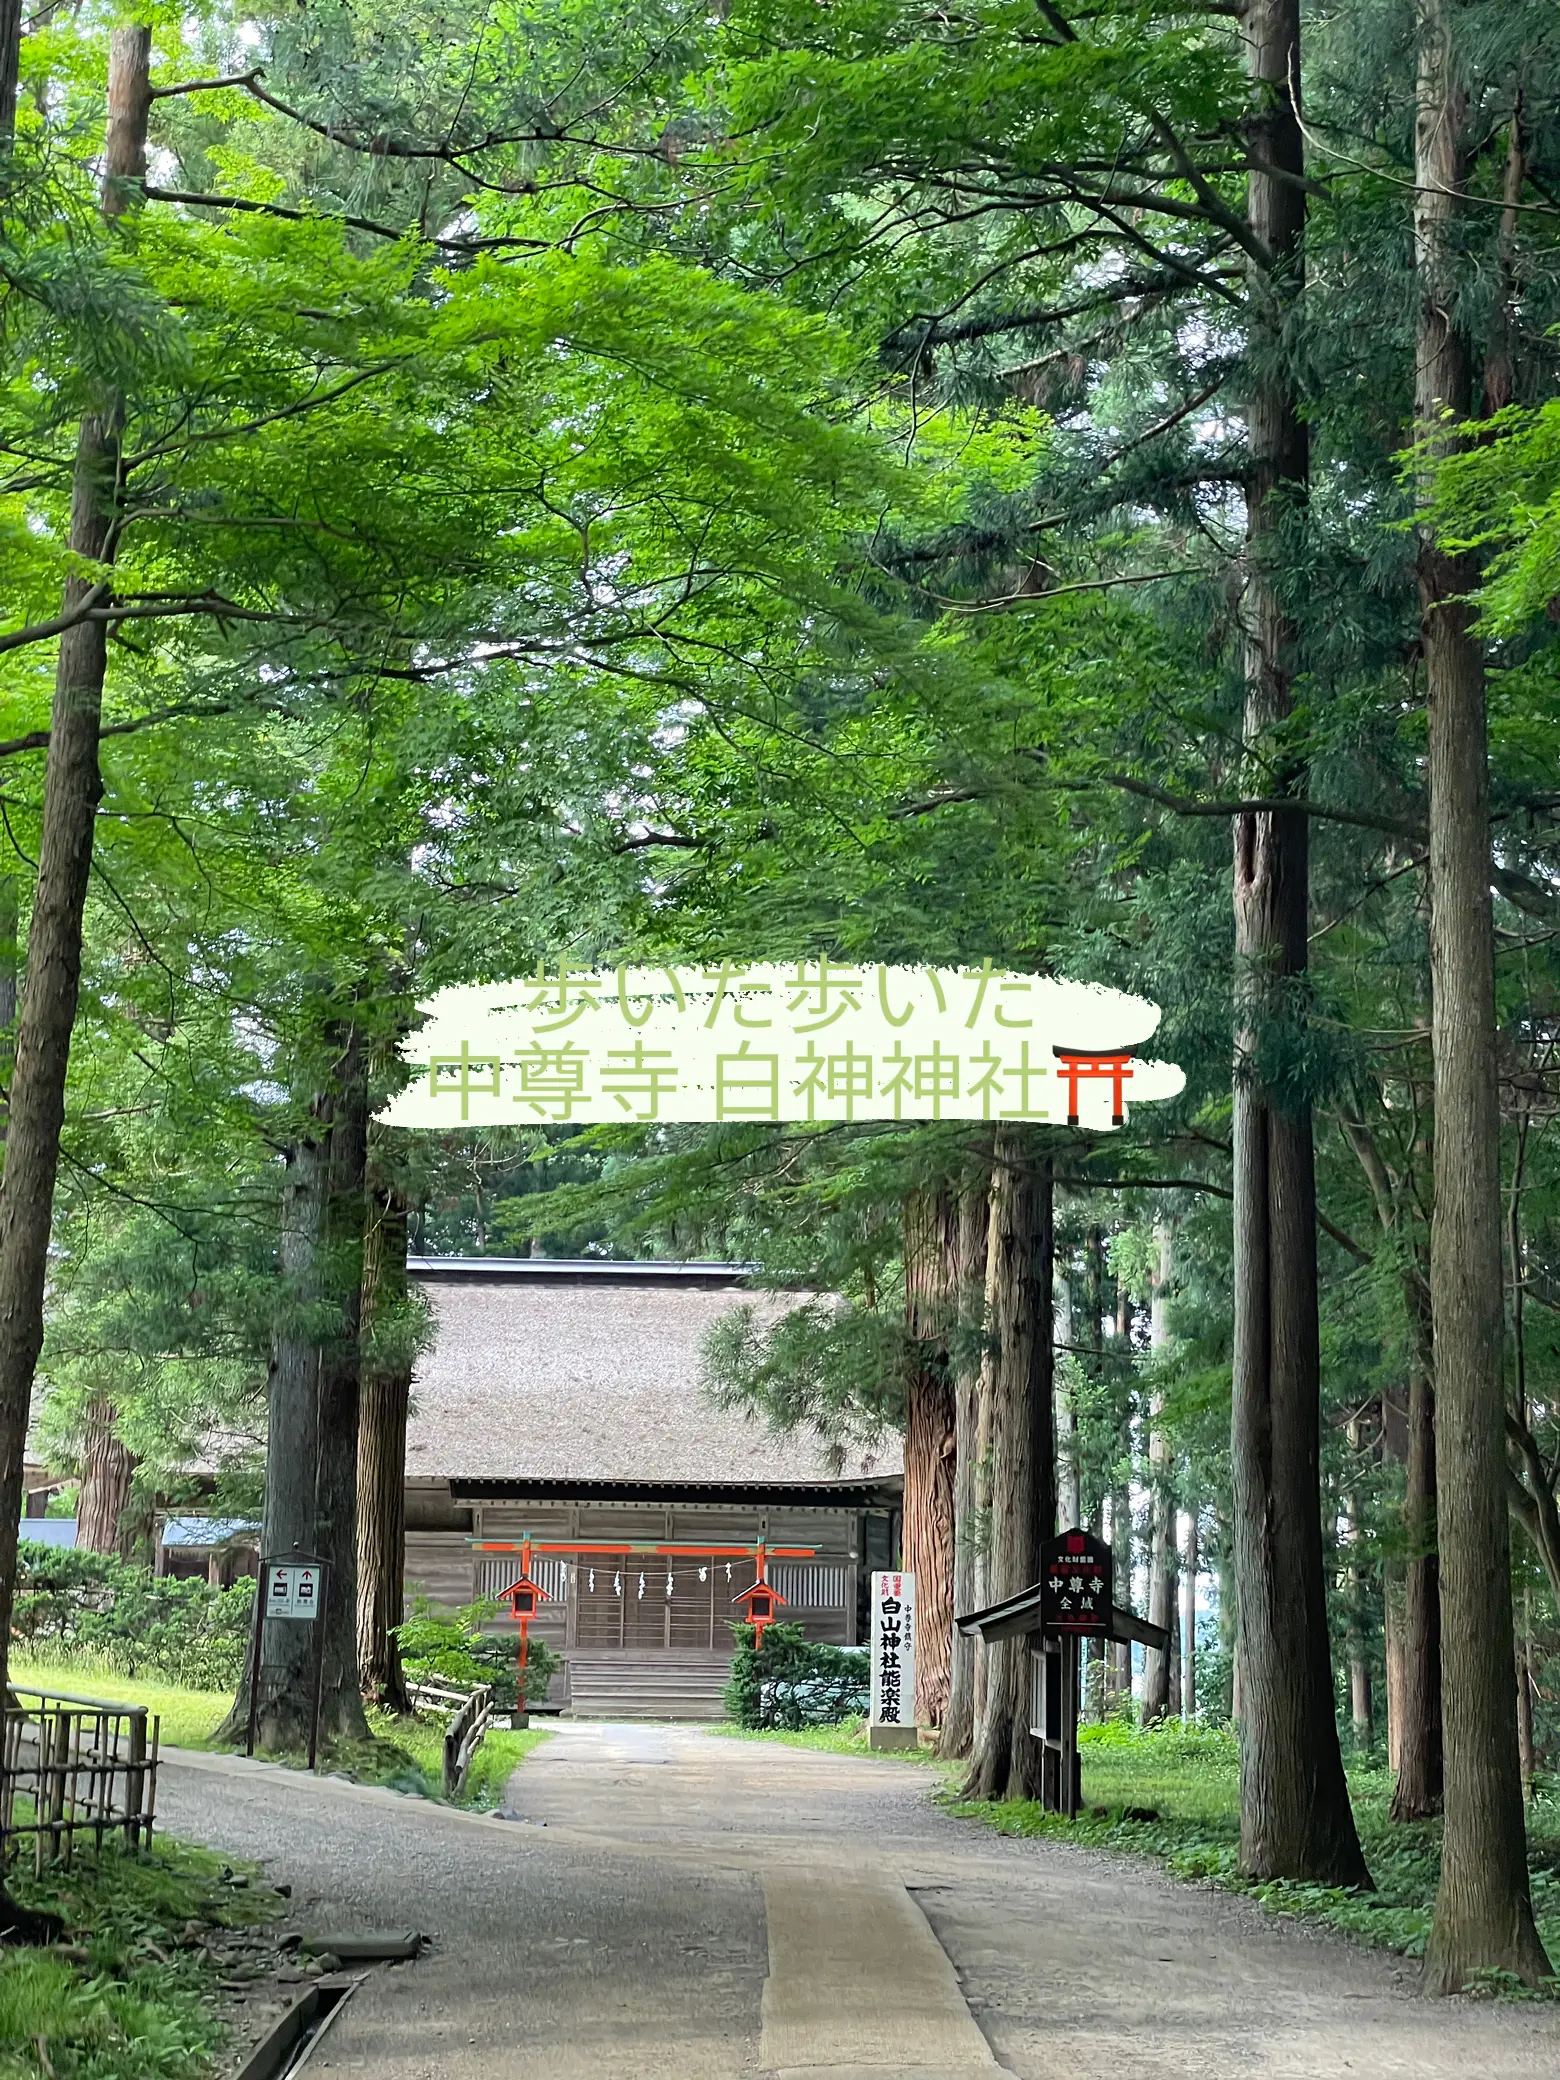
pixel 1069 1784
pixel 319 1665
pixel 254 1655
pixel 135 1780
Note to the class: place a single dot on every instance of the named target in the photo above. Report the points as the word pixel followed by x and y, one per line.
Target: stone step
pixel 645 1685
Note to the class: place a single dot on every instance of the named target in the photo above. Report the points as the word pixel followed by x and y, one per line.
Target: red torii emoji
pixel 1094 1065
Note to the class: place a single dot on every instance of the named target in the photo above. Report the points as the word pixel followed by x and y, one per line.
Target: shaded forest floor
pixel 403 1754
pixel 138 1987
pixel 1181 1785
pixel 1188 1780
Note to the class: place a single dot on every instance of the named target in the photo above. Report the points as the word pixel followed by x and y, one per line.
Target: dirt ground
pixel 664 1903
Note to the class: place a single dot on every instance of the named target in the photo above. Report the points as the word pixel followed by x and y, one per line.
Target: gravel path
pixel 614 1927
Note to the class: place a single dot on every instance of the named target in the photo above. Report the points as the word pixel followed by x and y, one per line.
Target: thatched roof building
pixel 562 1401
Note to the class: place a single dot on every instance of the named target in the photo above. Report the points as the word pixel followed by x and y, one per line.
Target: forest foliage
pixel 773 481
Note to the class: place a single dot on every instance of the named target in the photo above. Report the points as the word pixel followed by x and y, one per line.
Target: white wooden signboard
pixel 893 1649
pixel 292 1590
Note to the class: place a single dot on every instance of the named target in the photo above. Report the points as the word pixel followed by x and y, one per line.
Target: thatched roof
pixel 586 1370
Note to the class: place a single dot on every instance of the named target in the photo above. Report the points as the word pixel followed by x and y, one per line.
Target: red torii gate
pixel 1094 1065
pixel 524 1595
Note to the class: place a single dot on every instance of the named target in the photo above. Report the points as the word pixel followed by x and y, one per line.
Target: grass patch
pixel 1188 1777
pixel 189 1717
pixel 403 1754
pixel 128 1996
pixel 421 1743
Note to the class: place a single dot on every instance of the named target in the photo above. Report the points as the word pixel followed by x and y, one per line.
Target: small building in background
pixel 561 1401
pixel 218 1550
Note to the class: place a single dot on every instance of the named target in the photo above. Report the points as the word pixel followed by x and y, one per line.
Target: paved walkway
pixel 664 1903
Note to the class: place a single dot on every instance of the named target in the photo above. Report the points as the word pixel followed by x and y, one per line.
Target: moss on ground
pixel 132 1992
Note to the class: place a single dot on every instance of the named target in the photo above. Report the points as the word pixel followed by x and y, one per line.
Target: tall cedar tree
pixel 1483 1912
pixel 1296 1820
pixel 930 1246
pixel 1019 1429
pixel 969 1284
pixel 71 791
pixel 381 1483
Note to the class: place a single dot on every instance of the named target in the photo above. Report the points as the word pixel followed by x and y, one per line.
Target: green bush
pixel 92 1607
pixel 451 1647
pixel 791 1681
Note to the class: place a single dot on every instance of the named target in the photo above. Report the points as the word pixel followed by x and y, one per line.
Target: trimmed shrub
pixel 451 1647
pixel 92 1608
pixel 792 1681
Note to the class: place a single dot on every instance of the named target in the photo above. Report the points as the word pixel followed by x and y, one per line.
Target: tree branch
pixel 319 216
pixel 1535 1508
pixel 41 631
pixel 1299 805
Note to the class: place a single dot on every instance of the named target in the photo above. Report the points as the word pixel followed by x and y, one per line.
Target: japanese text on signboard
pixel 808 1040
pixel 1076 1586
pixel 292 1590
pixel 893 1649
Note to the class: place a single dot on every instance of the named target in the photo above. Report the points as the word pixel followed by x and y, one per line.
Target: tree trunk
pixel 1069 1474
pixel 1410 1586
pixel 11 15
pixel 1123 1529
pixel 292 1452
pixel 1418 1792
pixel 1392 1645
pixel 1296 1820
pixel 930 1231
pixel 958 1734
pixel 1157 1702
pixel 1526 1752
pixel 1189 1621
pixel 982 1486
pixel 1019 1270
pixel 1483 1911
pixel 1096 1664
pixel 106 1470
pixel 10 961
pixel 387 1383
pixel 341 1703
pixel 928 1539
pixel 1362 1704
pixel 71 789
pixel 1118 1680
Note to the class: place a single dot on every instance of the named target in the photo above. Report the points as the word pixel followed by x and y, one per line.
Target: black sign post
pixel 1072 1600
pixel 1076 1581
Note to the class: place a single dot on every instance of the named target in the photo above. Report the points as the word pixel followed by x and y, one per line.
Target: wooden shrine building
pixel 561 1402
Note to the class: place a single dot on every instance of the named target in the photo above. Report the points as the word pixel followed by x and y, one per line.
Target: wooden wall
pixel 821 1590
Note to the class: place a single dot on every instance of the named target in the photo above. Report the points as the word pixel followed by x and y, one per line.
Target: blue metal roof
pixel 49 1531
pixel 206 1531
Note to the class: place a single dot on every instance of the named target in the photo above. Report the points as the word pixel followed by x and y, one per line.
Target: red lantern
pixel 759 1603
pixel 524 1597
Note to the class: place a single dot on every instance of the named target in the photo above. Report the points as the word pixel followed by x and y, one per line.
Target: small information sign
pixel 1076 1584
pixel 292 1590
pixel 893 1649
